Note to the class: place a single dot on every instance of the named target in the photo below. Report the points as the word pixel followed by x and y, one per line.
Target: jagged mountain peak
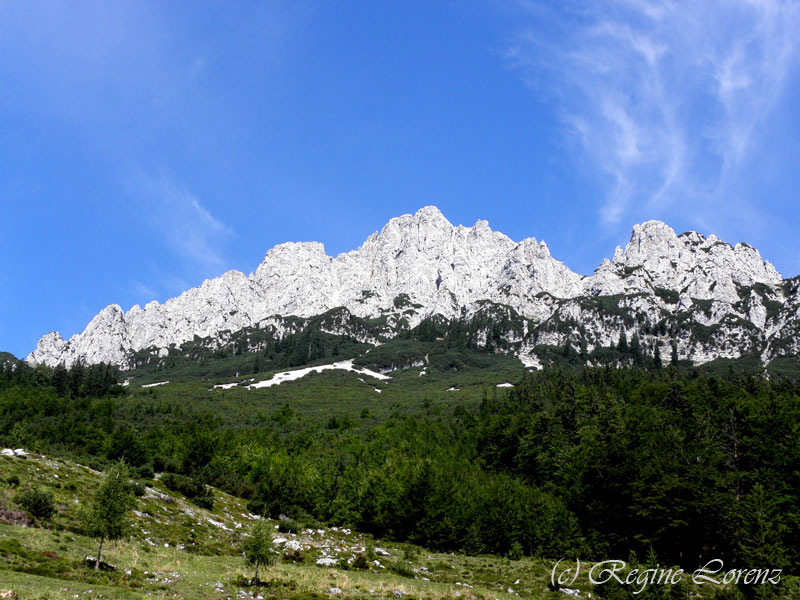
pixel 652 225
pixel 428 224
pixel 690 263
pixel 437 268
pixel 426 220
pixel 431 213
pixel 110 311
pixel 657 238
pixel 50 350
pixel 652 236
pixel 539 248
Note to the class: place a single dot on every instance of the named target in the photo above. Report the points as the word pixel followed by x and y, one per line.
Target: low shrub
pixel 288 526
pixel 402 569
pixel 206 502
pixel 37 502
pixel 258 507
pixel 165 464
pixel 144 471
pixel 188 486
pixel 294 556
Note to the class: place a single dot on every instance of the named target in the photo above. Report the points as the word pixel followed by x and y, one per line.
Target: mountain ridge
pixel 448 270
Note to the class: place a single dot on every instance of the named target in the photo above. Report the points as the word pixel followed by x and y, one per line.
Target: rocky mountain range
pixel 696 296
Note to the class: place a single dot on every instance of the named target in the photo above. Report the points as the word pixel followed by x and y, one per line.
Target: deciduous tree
pixel 107 515
pixel 257 547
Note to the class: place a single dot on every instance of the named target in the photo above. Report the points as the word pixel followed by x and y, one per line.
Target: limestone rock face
pixel 420 265
pixel 50 350
pixel 693 265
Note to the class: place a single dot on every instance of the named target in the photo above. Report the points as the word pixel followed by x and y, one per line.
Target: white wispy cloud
pixel 663 97
pixel 142 290
pixel 186 225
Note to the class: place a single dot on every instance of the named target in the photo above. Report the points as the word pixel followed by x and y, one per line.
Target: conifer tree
pixel 622 345
pixel 636 349
pixel 60 380
pixel 76 380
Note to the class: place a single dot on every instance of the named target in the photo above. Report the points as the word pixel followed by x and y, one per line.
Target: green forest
pixel 670 464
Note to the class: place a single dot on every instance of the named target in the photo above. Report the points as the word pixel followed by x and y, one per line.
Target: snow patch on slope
pixel 345 365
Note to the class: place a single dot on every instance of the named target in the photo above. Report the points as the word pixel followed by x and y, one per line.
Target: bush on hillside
pixel 189 487
pixel 288 526
pixel 194 489
pixel 206 502
pixel 37 502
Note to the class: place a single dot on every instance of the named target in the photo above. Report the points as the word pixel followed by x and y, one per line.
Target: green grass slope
pixel 178 550
pixel 320 395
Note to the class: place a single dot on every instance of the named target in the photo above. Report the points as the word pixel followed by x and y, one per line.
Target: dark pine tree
pixel 657 357
pixel 622 345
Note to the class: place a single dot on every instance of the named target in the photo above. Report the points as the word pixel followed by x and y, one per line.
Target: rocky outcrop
pixel 690 264
pixel 420 265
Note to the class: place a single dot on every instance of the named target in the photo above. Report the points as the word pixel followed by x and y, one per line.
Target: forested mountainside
pixel 671 461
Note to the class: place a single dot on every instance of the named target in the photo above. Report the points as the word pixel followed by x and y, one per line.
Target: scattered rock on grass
pixel 296 545
pixel 13 517
pixel 90 561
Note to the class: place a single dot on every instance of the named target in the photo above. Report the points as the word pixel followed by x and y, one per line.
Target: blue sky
pixel 145 146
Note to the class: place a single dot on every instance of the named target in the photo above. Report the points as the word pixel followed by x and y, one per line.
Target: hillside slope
pixel 177 549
